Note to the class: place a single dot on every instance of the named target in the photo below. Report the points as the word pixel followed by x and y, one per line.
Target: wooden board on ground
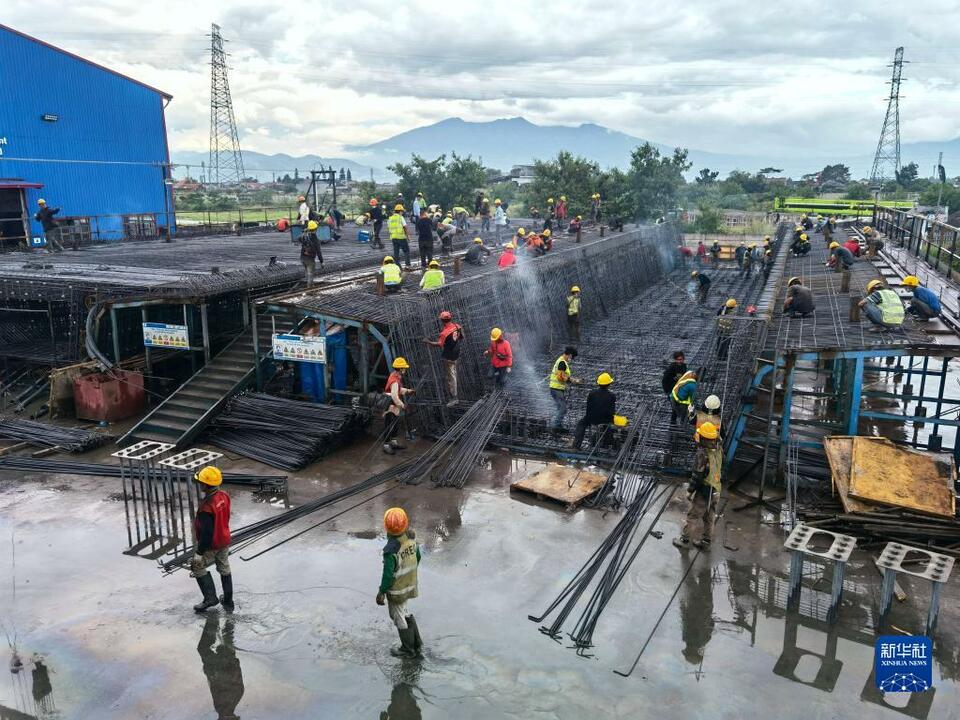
pixel 553 483
pixel 885 473
pixel 839 450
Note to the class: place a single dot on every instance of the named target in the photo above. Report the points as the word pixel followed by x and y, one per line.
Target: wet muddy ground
pixel 103 635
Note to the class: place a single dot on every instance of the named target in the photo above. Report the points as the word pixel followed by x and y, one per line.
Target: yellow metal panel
pixel 839 451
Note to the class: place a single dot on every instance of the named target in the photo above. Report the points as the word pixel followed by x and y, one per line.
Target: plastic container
pixel 363 236
pixel 109 396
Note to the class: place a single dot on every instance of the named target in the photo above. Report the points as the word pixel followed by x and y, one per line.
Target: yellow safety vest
pixel 555 382
pixel 395 225
pixel 433 279
pixel 891 309
pixel 405 575
pixel 573 304
pixel 391 274
pixel 725 324
pixel 715 458
pixel 685 379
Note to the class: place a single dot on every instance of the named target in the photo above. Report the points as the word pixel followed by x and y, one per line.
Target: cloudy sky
pixel 745 76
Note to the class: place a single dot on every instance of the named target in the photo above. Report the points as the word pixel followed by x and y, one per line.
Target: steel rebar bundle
pixel 75 440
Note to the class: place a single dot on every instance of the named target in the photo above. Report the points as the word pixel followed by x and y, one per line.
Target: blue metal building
pixel 88 140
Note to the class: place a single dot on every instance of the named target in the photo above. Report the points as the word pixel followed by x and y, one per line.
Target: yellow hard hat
pixel 604 379
pixel 388 259
pixel 911 281
pixel 398 208
pixel 497 201
pixel 731 303
pixel 419 194
pixel 312 225
pixel 511 246
pixel 210 475
pixel 694 273
pixel 620 420
pixel 708 430
pixel 867 228
pixel 478 241
pixel 563 197
pixel 400 363
pixel 546 233
pixel 766 238
pixel 803 236
pixel 521 232
pixel 575 288
pixel 794 281
pixel 873 285
pixel 41 201
pixel 753 245
pixel 549 200
pixel 433 264
pixel 579 217
pixel 834 245
pixel 798 227
pixel 496 334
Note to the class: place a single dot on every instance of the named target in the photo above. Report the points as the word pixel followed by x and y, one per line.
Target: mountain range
pixel 512 141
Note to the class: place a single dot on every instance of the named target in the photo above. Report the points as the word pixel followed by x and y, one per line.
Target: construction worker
pixel 484 214
pixel 924 305
pixel 425 234
pixel 508 257
pixel 310 251
pixel 376 215
pixel 477 253
pixel 715 252
pixel 303 211
pixel 701 253
pixel 399 234
pixel 827 230
pixel 398 583
pixel 853 245
pixel 685 254
pixel 461 217
pixel 520 238
pixel 799 301
pixel 595 208
pixel 534 245
pixel 561 376
pixel 501 357
pixel 882 306
pixel 704 488
pixel 499 221
pixel 573 314
pixel 674 370
pixel 841 255
pixel 739 254
pixel 433 278
pixel 448 230
pixel 395 392
pixel 682 395
pixel 392 276
pixel 418 204
pixel 746 263
pixel 560 210
pixel 767 264
pixel 547 238
pixel 725 327
pixel 703 282
pixel 449 341
pixel 51 228
pixel 574 227
pixel 801 245
pixel 212 531
pixel 710 412
pixel 601 407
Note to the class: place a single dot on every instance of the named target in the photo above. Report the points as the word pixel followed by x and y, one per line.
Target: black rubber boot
pixel 406 648
pixel 209 591
pixel 417 640
pixel 227 598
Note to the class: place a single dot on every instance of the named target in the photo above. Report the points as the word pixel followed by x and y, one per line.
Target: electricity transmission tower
pixel 226 162
pixel 886 163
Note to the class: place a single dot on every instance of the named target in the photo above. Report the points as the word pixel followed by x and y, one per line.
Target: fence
pixel 933 242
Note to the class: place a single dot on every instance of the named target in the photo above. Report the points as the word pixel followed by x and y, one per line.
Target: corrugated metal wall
pixel 104 154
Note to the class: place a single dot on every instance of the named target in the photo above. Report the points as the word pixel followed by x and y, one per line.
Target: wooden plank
pixel 554 483
pixel 892 475
pixel 839 449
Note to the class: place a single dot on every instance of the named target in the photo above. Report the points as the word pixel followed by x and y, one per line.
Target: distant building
pixel 522 174
pixel 87 139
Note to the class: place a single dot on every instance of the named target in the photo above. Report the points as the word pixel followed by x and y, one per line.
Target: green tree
pixel 749 183
pixel 443 183
pixel 655 180
pixel 838 173
pixel 948 194
pixel 709 220
pixel 574 177
pixel 858 191
pixel 907 176
pixel 707 176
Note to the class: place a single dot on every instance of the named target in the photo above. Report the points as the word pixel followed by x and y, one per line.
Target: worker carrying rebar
pixel 799 301
pixel 840 254
pixel 725 327
pixel 561 377
pixel 501 357
pixel 601 408
pixel 399 234
pixel 703 282
pixel 211 528
pixel 508 257
pixel 449 341
pixel 398 583
pixel 433 277
pixel 704 488
pixel 882 306
pixel 310 251
pixel 477 253
pixel 395 392
pixel 573 314
pixel 392 275
pixel 924 305
pixel 682 395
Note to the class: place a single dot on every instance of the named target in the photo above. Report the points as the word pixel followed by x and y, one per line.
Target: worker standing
pixel 703 286
pixel 310 251
pixel 573 314
pixel 424 237
pixel 392 276
pixel 399 234
pixel 212 531
pixel 433 277
pixel 484 213
pixel 376 215
pixel 799 301
pixel 746 262
pixel 715 252
pixel 561 211
pixel 925 305
pixel 418 204
pixel 740 253
pixel 477 253
pixel 303 211
pixel 508 257
pixel 51 228
pixel 395 392
pixel 595 208
pixel 601 407
pixel 501 357
pixel 704 488
pixel 451 336
pixel 701 253
pixel 561 376
pixel 499 221
pixel 398 583
pixel 725 327
pixel 882 306
pixel 673 372
pixel 682 395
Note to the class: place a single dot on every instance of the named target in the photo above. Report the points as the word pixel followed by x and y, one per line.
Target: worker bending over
pixel 477 254
pixel 211 528
pixel 392 276
pixel 709 413
pixel 682 395
pixel 840 254
pixel 395 392
pixel 924 305
pixel 882 306
pixel 433 277
pixel 501 357
pixel 704 488
pixel 573 314
pixel 398 583
pixel 799 301
pixel 703 286
pixel 561 376
pixel 601 407
pixel 508 257
pixel 451 336
pixel 800 246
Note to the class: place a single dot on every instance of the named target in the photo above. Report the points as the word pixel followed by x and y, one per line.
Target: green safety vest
pixel 573 304
pixel 405 575
pixel 432 279
pixel 391 274
pixel 555 382
pixel 891 309
pixel 395 224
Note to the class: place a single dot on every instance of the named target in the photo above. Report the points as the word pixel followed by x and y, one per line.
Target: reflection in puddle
pixel 221 666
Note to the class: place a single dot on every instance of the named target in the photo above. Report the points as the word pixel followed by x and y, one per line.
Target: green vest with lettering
pixel 405 575
pixel 432 279
pixel 391 274
pixel 891 309
pixel 395 224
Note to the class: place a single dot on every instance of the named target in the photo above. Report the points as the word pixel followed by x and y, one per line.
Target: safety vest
pixel 404 585
pixel 391 274
pixel 433 279
pixel 891 309
pixel 725 324
pixel 218 505
pixel 573 304
pixel 395 225
pixel 685 379
pixel 715 460
pixel 556 382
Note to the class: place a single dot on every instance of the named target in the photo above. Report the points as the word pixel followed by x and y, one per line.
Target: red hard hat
pixel 445 315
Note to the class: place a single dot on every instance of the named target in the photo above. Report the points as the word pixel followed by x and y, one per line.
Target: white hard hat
pixel 712 402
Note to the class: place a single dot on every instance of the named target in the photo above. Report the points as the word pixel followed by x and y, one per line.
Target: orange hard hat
pixel 395 521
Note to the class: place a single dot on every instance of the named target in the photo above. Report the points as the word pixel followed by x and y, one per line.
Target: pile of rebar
pixel 75 440
pixel 284 433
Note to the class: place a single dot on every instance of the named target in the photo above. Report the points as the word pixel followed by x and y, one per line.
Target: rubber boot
pixel 209 591
pixel 227 598
pixel 681 542
pixel 417 640
pixel 406 648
